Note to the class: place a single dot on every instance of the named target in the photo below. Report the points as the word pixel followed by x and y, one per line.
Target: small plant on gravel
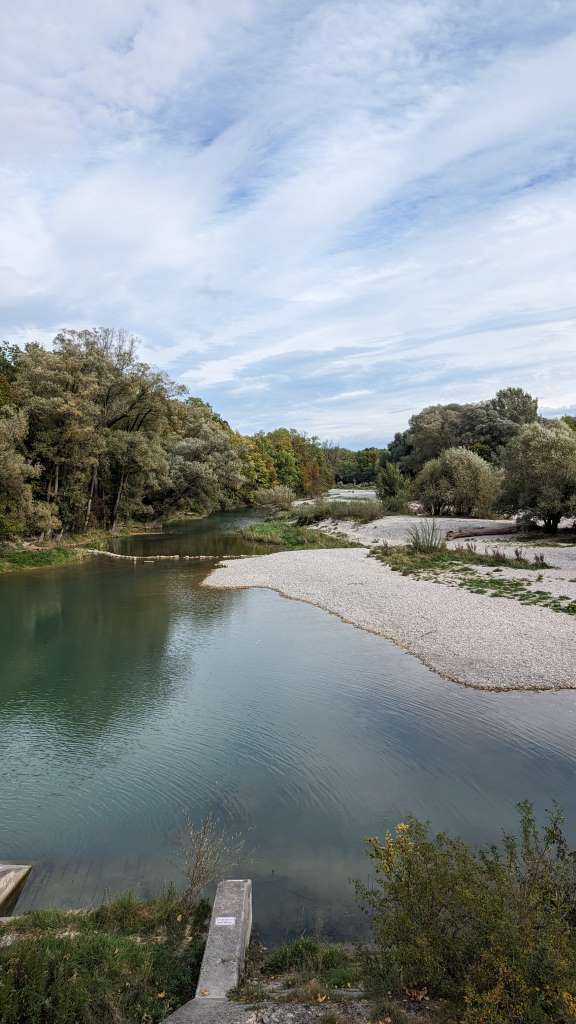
pixel 425 537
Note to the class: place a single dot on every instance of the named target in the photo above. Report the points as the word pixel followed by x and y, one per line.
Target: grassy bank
pixel 291 537
pixel 362 510
pixel 128 961
pixel 462 567
pixel 17 560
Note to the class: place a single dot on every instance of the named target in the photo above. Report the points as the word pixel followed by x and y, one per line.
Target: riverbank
pixel 490 644
pixel 25 559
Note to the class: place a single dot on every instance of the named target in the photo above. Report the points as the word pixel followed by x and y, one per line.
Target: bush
pixel 393 489
pixel 492 932
pixel 458 481
pixel 273 497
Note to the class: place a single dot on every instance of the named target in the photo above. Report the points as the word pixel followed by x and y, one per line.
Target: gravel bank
pixel 488 643
pixel 395 529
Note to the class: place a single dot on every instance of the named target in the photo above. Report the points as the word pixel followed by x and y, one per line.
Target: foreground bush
pixel 128 961
pixel 492 932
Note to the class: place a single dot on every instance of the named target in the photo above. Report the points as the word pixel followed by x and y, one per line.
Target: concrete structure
pixel 223 961
pixel 12 878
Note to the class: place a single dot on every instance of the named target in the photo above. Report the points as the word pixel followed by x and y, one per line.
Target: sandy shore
pixel 490 643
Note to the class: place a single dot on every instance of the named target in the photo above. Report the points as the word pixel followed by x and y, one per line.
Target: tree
pixel 458 481
pixel 16 473
pixel 516 405
pixel 540 473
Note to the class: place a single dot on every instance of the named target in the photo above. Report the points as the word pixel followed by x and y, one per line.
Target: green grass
pixel 455 567
pixel 306 970
pixel 289 536
pixel 427 564
pixel 128 961
pixel 361 510
pixel 43 558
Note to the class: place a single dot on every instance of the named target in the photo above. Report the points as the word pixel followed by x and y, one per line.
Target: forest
pixel 90 436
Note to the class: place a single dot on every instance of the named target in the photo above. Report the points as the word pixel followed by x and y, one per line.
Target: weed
pixel 426 537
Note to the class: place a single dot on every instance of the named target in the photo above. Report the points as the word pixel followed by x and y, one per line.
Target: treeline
pixel 493 456
pixel 91 436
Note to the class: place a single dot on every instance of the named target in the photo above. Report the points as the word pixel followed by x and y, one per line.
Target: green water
pixel 132 696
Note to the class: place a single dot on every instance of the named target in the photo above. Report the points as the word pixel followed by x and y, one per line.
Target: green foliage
pixel 291 536
pixel 30 559
pixel 129 961
pixel 491 931
pixel 91 437
pixel 483 427
pixel 355 467
pixel 361 510
pixel 393 489
pixel 458 482
pixel 307 954
pixel 427 553
pixel 540 473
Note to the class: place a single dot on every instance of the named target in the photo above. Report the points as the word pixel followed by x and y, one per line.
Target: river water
pixel 132 697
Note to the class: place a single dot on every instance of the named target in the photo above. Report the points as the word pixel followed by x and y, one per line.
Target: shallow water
pixel 130 697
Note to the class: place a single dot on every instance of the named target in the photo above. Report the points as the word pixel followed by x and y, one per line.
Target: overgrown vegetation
pixel 288 535
pixel 306 970
pixel 361 510
pixel 128 961
pixel 491 933
pixel 27 558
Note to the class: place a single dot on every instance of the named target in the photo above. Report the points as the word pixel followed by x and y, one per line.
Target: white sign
pixel 226 922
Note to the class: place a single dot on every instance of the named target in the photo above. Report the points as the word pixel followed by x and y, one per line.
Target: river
pixel 131 697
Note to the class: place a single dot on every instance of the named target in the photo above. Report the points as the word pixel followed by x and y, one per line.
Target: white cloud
pixel 328 200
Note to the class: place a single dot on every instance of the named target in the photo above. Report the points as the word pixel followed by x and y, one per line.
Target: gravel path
pixel 485 642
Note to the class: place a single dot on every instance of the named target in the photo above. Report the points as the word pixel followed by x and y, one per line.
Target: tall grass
pixel 360 511
pixel 426 537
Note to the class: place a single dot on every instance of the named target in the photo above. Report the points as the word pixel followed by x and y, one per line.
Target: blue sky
pixel 315 214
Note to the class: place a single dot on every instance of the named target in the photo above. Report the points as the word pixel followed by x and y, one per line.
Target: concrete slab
pixel 12 878
pixel 211 1011
pixel 228 938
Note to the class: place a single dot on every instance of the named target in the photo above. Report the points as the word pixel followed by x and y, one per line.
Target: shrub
pixel 459 481
pixel 493 931
pixel 273 497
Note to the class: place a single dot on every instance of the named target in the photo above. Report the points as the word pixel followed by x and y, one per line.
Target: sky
pixel 324 215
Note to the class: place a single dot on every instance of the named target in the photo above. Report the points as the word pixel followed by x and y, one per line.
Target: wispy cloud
pixel 300 205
